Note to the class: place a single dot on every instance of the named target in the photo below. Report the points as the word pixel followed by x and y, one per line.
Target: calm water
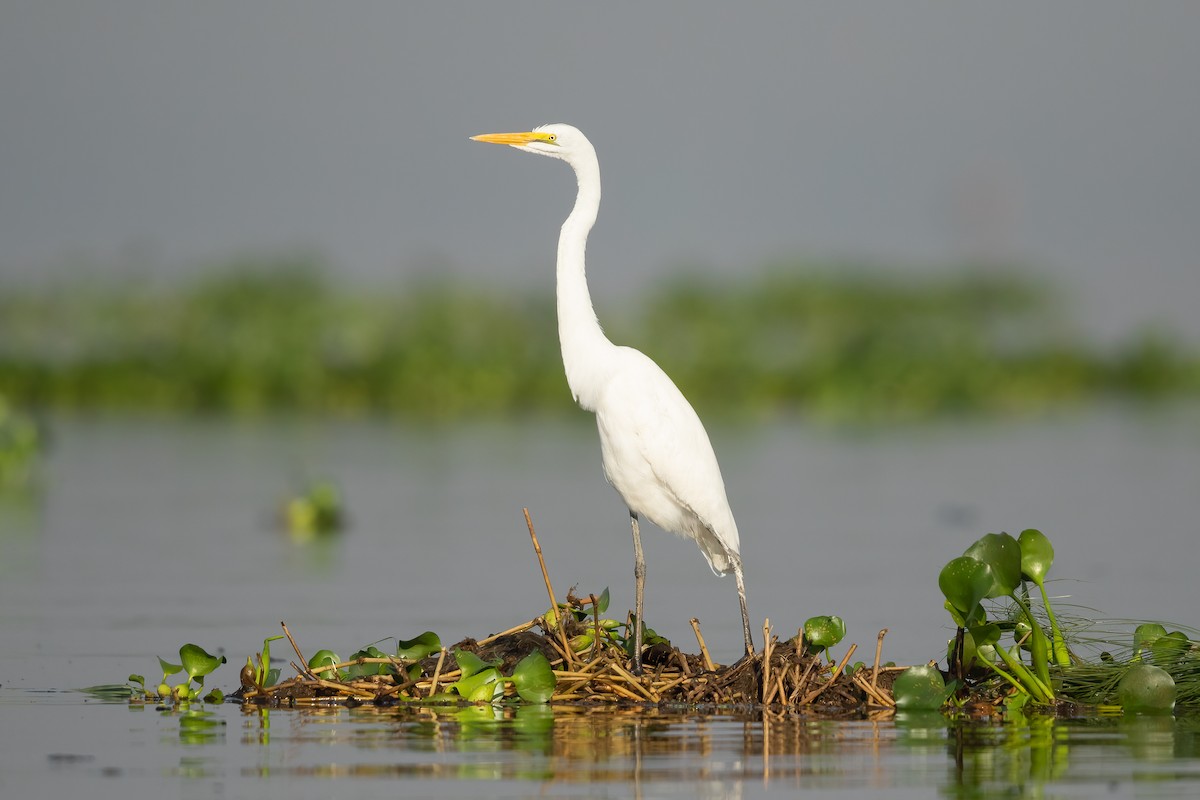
pixel 150 534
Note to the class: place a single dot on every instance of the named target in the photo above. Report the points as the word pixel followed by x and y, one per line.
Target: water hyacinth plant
pixel 1002 659
pixel 20 446
pixel 997 565
pixel 314 509
pixel 194 662
pixel 1161 670
pixel 823 632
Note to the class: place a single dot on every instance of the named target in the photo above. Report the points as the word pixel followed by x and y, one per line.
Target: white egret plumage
pixel 655 450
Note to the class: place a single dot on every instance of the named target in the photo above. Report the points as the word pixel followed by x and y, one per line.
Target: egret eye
pixel 552 137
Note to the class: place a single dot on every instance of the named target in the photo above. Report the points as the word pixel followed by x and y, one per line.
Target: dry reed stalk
pixel 355 662
pixel 562 627
pixel 345 688
pixel 878 651
pixel 683 665
pixel 631 680
pixel 779 687
pixel 437 671
pixel 587 670
pixel 832 677
pixel 524 626
pixel 299 655
pixel 623 692
pixel 397 689
pixel 669 685
pixel 708 662
pixel 872 691
pixel 766 662
pixel 800 684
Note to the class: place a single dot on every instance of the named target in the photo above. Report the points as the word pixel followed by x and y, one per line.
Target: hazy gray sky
pixel 1064 135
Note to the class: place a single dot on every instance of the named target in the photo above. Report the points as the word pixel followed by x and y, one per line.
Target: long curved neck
pixel 585 349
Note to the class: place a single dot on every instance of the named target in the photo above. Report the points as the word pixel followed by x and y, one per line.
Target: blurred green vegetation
pixel 838 342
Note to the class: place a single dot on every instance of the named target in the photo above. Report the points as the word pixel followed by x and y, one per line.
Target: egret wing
pixel 659 458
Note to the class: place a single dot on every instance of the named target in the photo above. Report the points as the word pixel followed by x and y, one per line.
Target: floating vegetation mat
pixel 781 674
pixel 573 654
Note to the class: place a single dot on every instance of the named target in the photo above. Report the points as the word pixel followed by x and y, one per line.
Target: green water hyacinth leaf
pixel 1169 648
pixel 649 637
pixel 965 581
pixel 824 632
pixel 1002 553
pixel 983 639
pixel 471 664
pixel 1146 689
pixel 324 658
pixel 197 663
pixel 978 645
pixel 441 698
pixel 975 617
pixel 1037 555
pixel 1145 635
pixel 480 687
pixel 170 669
pixel 109 691
pixel 418 648
pixel 533 678
pixel 602 601
pixel 363 670
pixel 264 674
pixel 920 689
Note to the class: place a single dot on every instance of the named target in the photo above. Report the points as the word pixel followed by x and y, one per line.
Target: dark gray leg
pixel 639 577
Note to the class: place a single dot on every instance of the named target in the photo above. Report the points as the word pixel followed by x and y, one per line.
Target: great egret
pixel 655 450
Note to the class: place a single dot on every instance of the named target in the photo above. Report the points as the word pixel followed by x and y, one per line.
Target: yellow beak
pixel 514 139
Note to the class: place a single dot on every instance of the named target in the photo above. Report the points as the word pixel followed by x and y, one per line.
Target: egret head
pixel 557 140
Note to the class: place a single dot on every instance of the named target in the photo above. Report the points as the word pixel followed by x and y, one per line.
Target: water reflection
pixel 720 756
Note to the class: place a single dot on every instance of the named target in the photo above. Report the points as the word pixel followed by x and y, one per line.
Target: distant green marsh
pixel 840 344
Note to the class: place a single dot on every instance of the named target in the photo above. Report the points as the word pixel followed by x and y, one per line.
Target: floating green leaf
pixel 1147 689
pixel 418 648
pixel 361 670
pixel 197 663
pixel 324 658
pixel 109 691
pixel 1037 556
pixel 919 688
pixel 1145 635
pixel 1169 648
pixel 480 687
pixel 965 581
pixel 1001 552
pixel 168 668
pixel 471 664
pixel 824 632
pixel 533 678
